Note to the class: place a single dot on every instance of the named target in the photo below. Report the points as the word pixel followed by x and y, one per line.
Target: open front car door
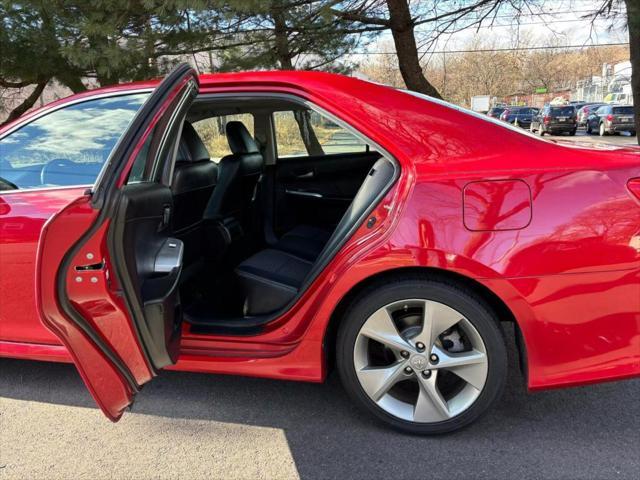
pixel 108 268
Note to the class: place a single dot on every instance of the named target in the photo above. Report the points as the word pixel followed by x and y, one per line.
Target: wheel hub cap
pixel 418 362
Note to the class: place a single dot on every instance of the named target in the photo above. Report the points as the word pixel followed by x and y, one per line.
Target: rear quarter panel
pixel 571 276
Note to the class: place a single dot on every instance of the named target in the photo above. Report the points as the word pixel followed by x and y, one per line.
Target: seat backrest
pixel 194 179
pixel 238 177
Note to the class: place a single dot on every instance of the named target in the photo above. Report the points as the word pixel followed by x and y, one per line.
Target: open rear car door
pixel 108 269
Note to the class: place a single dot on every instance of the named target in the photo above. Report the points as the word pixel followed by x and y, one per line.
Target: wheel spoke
pixel 437 318
pixel 430 406
pixel 377 381
pixel 469 366
pixel 381 328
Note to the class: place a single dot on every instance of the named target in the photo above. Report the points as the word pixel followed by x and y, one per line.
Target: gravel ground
pixel 196 426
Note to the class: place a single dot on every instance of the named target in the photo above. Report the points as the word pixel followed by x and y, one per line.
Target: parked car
pixel 555 119
pixel 577 104
pixel 392 240
pixel 584 112
pixel 520 116
pixel 495 112
pixel 611 119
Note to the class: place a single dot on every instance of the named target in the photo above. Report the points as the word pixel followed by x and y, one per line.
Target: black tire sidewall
pixel 472 307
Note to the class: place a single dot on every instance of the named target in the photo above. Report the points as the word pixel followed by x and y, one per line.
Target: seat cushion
pixel 304 241
pixel 270 279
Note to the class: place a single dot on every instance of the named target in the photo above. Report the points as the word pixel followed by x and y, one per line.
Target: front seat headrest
pixel 240 140
pixel 197 152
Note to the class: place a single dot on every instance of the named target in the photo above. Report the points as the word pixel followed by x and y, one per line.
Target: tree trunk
pixel 281 39
pixel 402 30
pixel 27 103
pixel 73 81
pixel 633 22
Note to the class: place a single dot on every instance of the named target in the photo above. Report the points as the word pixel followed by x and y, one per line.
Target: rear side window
pixel 307 133
pixel 212 131
pixel 623 110
pixel 67 147
pixel 567 111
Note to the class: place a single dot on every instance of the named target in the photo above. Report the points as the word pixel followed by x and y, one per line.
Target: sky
pixel 558 22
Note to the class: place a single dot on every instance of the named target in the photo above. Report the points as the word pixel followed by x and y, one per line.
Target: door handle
pixel 302 175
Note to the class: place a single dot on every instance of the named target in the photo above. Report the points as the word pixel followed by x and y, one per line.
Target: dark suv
pixel 520 116
pixel 555 119
pixel 610 119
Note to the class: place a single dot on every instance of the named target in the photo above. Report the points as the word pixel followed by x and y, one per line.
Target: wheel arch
pixel 495 303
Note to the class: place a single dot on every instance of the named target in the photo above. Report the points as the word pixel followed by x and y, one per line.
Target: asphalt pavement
pixel 581 136
pixel 187 425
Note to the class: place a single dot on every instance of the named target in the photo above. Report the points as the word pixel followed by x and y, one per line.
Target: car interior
pixel 264 191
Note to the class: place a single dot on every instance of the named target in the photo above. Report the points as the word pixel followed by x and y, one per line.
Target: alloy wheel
pixel 420 360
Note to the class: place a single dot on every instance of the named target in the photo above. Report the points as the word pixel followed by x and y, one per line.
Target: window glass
pixel 623 110
pixel 305 132
pixel 212 132
pixel 563 111
pixel 68 146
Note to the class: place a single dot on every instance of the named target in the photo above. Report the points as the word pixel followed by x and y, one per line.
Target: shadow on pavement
pixel 589 432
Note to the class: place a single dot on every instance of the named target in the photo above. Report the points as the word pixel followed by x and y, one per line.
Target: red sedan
pixel 276 223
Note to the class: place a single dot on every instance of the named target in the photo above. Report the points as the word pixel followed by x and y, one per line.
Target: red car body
pixel 548 233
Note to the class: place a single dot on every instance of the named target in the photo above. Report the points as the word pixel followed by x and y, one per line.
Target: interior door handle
pixel 303 193
pixel 309 174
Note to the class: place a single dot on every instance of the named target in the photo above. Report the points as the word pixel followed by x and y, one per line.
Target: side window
pixel 307 133
pixel 212 131
pixel 67 146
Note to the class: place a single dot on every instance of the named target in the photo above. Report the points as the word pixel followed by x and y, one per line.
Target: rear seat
pixel 271 278
pixel 304 241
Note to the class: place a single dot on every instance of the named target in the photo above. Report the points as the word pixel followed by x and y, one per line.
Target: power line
pixel 551 14
pixel 512 49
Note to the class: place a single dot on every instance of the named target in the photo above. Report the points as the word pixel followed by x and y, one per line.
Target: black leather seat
pixel 238 176
pixel 271 278
pixel 304 241
pixel 194 179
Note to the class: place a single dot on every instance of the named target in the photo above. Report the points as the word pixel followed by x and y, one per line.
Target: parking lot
pixel 581 136
pixel 205 426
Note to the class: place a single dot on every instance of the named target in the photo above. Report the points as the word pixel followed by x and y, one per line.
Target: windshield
pixel 69 145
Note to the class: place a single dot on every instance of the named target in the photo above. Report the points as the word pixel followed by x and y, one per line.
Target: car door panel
pixel 142 222
pixel 317 190
pixel 108 267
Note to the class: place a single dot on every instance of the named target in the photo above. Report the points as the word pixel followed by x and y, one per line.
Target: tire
pixel 572 133
pixel 407 294
pixel 602 131
pixel 632 133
